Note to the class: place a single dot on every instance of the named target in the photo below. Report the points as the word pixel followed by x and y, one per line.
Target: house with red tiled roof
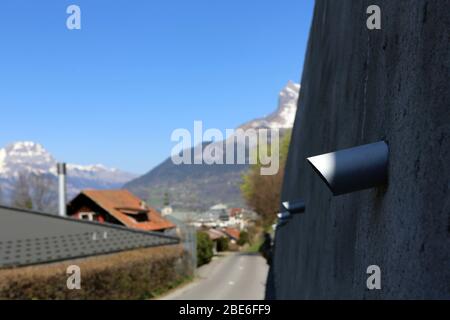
pixel 215 234
pixel 235 212
pixel 232 233
pixel 118 207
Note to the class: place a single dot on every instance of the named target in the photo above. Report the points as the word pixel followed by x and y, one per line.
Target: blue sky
pixel 114 91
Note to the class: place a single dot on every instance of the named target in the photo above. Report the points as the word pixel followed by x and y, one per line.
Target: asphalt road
pixel 234 276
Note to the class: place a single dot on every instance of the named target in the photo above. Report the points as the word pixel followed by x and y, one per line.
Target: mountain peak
pixel 198 187
pixel 25 156
pixel 291 85
pixel 284 115
pixel 287 106
pixel 31 157
pixel 289 94
pixel 25 148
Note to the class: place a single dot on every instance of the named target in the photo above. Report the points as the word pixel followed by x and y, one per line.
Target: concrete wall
pixel 358 87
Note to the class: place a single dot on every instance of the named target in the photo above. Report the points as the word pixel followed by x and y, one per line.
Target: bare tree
pixel 2 196
pixel 35 192
pixel 21 197
pixel 43 193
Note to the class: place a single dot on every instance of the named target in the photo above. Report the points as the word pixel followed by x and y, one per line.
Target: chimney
pixel 62 189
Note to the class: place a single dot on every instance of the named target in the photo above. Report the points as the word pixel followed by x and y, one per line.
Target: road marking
pixel 231 283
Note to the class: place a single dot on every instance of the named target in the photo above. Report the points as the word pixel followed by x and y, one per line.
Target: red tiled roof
pixel 119 203
pixel 232 232
pixel 235 211
pixel 215 234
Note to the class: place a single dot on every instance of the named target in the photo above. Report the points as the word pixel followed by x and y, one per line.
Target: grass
pixel 254 248
pixel 170 287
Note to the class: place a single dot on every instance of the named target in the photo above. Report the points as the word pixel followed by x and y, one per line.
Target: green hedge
pixel 243 238
pixel 223 244
pixel 204 248
pixel 137 274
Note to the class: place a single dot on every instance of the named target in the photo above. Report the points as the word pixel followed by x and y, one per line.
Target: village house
pixel 233 234
pixel 236 218
pixel 117 207
pixel 215 235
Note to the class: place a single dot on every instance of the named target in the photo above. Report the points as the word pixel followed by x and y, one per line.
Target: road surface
pixel 233 276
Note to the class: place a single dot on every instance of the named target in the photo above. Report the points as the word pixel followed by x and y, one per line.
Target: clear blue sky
pixel 114 91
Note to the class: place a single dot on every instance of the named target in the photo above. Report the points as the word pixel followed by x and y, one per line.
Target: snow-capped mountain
pixel 282 118
pixel 201 186
pixel 31 158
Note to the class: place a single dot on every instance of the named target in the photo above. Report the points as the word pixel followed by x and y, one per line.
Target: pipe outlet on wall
pixel 353 169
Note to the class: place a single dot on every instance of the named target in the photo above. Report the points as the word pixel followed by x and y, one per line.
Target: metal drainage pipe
pixel 353 169
pixel 296 206
pixel 284 215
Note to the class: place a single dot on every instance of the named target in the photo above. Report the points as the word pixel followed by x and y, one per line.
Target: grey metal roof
pixel 28 237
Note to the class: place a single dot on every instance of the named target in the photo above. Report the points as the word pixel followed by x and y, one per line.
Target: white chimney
pixel 62 189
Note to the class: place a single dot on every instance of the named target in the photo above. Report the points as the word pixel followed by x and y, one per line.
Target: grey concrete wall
pixel 358 87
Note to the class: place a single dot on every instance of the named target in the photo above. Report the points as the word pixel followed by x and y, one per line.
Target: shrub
pixel 136 274
pixel 243 238
pixel 223 244
pixel 204 248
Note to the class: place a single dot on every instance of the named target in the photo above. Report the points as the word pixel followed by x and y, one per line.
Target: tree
pixel 34 192
pixel 2 197
pixel 43 193
pixel 262 192
pixel 22 193
pixel 166 199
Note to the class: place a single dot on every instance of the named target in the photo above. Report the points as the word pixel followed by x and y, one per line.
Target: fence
pixel 188 238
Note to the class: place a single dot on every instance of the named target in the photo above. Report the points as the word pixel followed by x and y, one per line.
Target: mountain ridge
pixel 198 187
pixel 32 158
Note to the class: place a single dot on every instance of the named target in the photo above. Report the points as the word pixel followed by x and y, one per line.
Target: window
pixel 87 216
pixel 139 217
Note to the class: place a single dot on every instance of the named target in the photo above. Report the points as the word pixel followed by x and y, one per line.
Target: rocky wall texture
pixel 361 86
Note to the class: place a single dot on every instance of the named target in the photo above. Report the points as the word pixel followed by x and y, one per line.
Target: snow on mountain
pixel 2 160
pixel 281 119
pixel 284 116
pixel 24 156
pixel 201 186
pixel 31 158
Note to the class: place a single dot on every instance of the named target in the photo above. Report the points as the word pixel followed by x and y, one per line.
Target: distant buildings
pixel 233 234
pixel 219 216
pixel 222 222
pixel 167 210
pixel 117 207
